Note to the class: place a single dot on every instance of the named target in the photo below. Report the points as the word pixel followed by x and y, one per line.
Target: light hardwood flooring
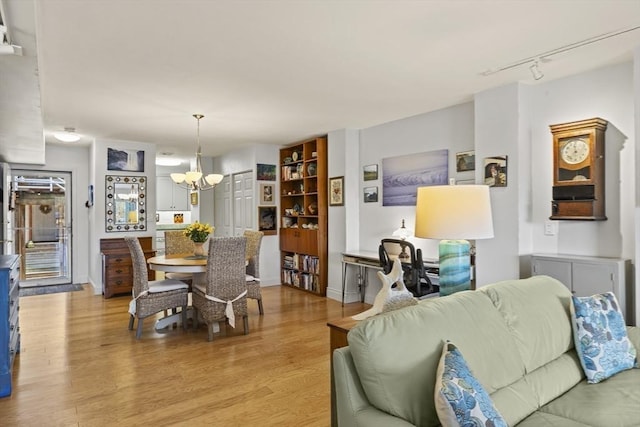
pixel 80 366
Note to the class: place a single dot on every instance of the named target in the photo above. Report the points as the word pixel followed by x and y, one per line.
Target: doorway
pixel 42 230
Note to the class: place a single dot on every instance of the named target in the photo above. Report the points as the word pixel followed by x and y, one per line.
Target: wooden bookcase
pixel 303 213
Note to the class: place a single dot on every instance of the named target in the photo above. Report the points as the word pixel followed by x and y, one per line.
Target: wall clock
pixel 578 170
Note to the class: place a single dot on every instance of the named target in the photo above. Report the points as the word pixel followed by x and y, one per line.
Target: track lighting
pixel 535 70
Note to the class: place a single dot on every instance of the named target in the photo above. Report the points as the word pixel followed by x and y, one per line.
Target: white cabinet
pixel 169 196
pixel 586 276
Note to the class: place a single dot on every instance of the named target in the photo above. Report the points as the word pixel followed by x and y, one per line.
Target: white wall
pixel 98 211
pixel 606 93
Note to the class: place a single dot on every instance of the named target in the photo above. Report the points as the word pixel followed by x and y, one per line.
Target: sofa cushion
pixel 459 398
pixel 600 336
pixel 396 354
pixel 536 311
pixel 614 402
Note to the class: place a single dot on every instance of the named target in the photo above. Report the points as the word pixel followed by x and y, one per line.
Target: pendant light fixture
pixel 195 180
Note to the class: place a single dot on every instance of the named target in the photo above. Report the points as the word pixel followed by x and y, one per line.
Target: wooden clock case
pixel 578 182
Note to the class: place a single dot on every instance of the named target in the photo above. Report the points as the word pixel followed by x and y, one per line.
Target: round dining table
pixel 179 263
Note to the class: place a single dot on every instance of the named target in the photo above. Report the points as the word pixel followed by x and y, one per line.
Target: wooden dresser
pixel 9 329
pixel 117 270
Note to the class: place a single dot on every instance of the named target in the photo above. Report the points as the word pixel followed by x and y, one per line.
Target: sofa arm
pixel 634 336
pixel 353 408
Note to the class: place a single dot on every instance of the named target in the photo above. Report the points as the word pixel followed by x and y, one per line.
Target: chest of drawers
pixel 117 271
pixel 9 328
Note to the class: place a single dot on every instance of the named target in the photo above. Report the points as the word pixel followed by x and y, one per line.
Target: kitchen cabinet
pixel 170 196
pixel 9 328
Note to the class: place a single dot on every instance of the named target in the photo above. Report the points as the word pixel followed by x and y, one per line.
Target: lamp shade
pixel 454 212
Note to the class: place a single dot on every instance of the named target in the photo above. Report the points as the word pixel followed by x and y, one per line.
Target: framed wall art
pixel 125 160
pixel 265 172
pixel 370 194
pixel 370 172
pixel 402 175
pixel 465 161
pixel 336 191
pixel 495 171
pixel 266 194
pixel 267 220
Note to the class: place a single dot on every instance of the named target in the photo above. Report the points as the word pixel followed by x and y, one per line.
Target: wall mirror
pixel 125 208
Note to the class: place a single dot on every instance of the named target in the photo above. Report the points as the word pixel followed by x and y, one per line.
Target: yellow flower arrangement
pixel 198 232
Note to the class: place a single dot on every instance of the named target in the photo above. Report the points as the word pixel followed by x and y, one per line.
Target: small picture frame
pixel 267 220
pixel 194 198
pixel 336 191
pixel 495 171
pixel 265 172
pixel 267 192
pixel 370 194
pixel 370 172
pixel 465 161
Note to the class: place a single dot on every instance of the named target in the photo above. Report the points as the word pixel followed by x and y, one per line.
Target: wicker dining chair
pixel 223 296
pixel 175 242
pixel 254 240
pixel 152 297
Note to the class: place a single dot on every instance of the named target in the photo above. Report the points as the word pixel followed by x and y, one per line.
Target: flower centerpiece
pixel 198 233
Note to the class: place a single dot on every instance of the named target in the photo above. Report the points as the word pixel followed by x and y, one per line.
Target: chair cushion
pixel 600 337
pixel 460 399
pixel 166 285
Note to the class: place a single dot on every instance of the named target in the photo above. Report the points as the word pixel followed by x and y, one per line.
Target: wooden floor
pixel 80 366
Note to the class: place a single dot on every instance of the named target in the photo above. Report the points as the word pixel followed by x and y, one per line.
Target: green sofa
pixel 516 337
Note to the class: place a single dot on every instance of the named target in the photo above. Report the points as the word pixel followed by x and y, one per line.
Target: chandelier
pixel 195 180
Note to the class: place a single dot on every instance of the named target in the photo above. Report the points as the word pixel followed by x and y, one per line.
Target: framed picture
pixel 266 194
pixel 370 194
pixel 125 160
pixel 194 198
pixel 370 172
pixel 402 175
pixel 336 191
pixel 495 171
pixel 265 172
pixel 465 161
pixel 267 220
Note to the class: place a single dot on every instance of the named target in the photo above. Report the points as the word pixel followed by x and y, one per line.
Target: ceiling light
pixel 195 180
pixel 68 135
pixel 535 71
pixel 164 160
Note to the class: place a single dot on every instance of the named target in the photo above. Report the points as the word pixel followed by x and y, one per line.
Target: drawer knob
pixel 118 282
pixel 118 271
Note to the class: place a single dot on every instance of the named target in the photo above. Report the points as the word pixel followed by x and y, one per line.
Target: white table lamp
pixel 453 214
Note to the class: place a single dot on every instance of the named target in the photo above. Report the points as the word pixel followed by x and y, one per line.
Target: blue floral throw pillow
pixel 600 337
pixel 460 399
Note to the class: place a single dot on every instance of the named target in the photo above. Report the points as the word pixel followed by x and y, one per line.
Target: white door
pixel 243 202
pixel 222 208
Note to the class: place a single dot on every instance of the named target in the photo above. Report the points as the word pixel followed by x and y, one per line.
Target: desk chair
pixel 414 275
pixel 152 297
pixel 223 296
pixel 254 239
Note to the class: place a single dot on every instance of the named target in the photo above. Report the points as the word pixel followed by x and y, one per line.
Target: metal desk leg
pixel 365 282
pixel 344 278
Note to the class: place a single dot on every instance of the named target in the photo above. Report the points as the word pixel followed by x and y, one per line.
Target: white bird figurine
pixel 388 297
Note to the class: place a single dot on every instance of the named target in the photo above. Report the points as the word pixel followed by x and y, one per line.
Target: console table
pixel 364 260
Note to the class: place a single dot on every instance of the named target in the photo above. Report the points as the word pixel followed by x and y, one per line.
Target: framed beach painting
pixel 402 175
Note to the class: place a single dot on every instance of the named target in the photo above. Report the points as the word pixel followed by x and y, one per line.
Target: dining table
pixel 179 263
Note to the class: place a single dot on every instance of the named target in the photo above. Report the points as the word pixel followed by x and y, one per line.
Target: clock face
pixel 574 151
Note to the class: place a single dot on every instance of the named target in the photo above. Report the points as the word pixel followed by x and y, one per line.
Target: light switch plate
pixel 550 228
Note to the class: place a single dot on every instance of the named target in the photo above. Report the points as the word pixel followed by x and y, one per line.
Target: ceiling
pixel 275 72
